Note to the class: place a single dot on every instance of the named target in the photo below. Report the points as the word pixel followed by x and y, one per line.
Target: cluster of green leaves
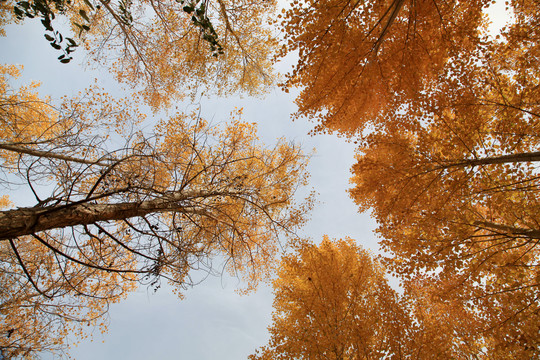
pixel 82 12
pixel 199 17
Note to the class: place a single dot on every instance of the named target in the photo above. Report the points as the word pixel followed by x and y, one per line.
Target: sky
pixel 213 321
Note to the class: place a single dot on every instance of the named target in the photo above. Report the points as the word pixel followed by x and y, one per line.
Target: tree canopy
pixel 446 119
pixel 105 217
pixel 332 301
pixel 360 61
pixel 166 50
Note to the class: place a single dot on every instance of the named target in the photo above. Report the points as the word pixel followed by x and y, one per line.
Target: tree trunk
pixel 50 154
pixel 26 221
pixel 531 233
pixel 503 159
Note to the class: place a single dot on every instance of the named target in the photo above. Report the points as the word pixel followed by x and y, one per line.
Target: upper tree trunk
pixel 532 233
pixel 25 221
pixel 52 155
pixel 503 159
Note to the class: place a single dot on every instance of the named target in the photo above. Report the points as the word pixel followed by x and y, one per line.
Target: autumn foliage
pixel 332 301
pixel 112 217
pixel 112 206
pixel 162 51
pixel 361 61
pixel 165 50
pixel 446 118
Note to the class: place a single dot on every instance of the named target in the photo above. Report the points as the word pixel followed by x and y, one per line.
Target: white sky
pixel 213 322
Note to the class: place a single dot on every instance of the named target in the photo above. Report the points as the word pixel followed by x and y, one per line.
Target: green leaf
pixel 18 13
pixel 83 15
pixel 48 37
pixel 24 4
pixel 47 24
pixel 89 4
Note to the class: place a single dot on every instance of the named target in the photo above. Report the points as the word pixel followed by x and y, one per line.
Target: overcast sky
pixel 212 322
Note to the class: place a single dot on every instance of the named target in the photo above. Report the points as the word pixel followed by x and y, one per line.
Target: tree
pixel 106 217
pixel 332 301
pixel 456 196
pixel 447 122
pixel 471 222
pixel 167 50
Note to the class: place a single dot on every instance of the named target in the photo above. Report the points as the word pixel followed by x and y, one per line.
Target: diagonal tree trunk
pixel 502 159
pixel 26 221
pixel 53 155
pixel 532 233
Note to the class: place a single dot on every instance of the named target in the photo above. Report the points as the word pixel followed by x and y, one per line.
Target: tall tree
pixel 332 301
pixel 447 121
pixel 105 217
pixel 456 196
pixel 471 222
